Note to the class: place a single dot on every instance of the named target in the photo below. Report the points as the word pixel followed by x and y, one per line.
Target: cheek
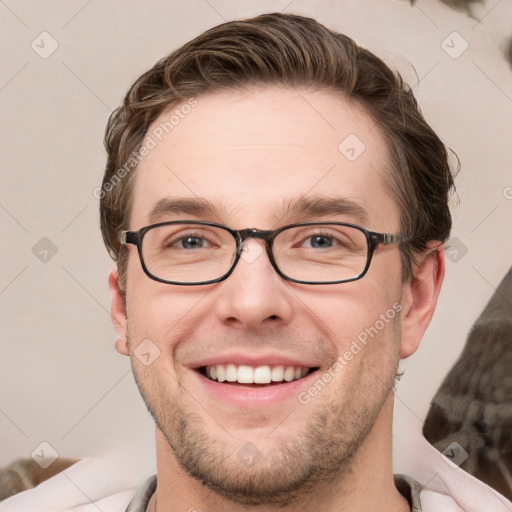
pixel 368 352
pixel 156 311
pixel 161 320
pixel 361 320
pixel 347 309
pixel 149 303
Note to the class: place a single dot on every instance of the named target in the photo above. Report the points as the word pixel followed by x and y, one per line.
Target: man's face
pixel 251 155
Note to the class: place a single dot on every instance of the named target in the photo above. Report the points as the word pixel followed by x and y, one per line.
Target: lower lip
pixel 250 397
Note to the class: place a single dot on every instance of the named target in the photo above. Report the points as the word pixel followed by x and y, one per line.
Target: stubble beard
pixel 321 454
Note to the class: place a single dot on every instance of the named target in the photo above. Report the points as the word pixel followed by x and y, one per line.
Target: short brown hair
pixel 290 50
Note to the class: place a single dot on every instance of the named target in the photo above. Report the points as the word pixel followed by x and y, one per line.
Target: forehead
pixel 249 154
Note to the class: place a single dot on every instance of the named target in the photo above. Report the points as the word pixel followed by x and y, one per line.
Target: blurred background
pixel 67 64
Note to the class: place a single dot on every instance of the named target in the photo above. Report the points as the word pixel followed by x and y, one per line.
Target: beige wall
pixel 61 380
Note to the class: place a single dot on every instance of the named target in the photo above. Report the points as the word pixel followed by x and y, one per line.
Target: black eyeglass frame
pixel 373 239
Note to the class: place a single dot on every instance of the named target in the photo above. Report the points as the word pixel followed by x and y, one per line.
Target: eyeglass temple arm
pixel 128 237
pixel 389 238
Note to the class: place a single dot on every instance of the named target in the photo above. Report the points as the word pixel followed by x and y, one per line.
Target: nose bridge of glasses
pixel 261 234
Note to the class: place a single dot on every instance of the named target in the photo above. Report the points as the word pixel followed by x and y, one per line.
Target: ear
pixel 419 297
pixel 118 312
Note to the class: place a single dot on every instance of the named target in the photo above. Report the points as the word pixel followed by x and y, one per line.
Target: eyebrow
pixel 321 206
pixel 189 206
pixel 298 209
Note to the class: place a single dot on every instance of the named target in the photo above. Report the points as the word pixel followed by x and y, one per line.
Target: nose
pixel 254 296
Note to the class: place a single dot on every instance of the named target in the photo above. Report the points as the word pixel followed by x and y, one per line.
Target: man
pixel 276 205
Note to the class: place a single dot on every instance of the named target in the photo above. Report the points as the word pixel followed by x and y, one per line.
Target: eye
pixel 319 241
pixel 191 242
pixel 188 241
pixel 326 240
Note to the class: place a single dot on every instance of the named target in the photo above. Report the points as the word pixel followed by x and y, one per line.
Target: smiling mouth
pixel 248 376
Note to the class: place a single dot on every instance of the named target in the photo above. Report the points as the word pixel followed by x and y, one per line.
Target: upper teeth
pixel 255 374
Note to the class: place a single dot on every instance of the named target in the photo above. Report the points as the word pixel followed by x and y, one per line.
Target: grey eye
pixel 192 242
pixel 320 241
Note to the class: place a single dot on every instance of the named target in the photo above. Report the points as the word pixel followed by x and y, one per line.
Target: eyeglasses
pixel 196 252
